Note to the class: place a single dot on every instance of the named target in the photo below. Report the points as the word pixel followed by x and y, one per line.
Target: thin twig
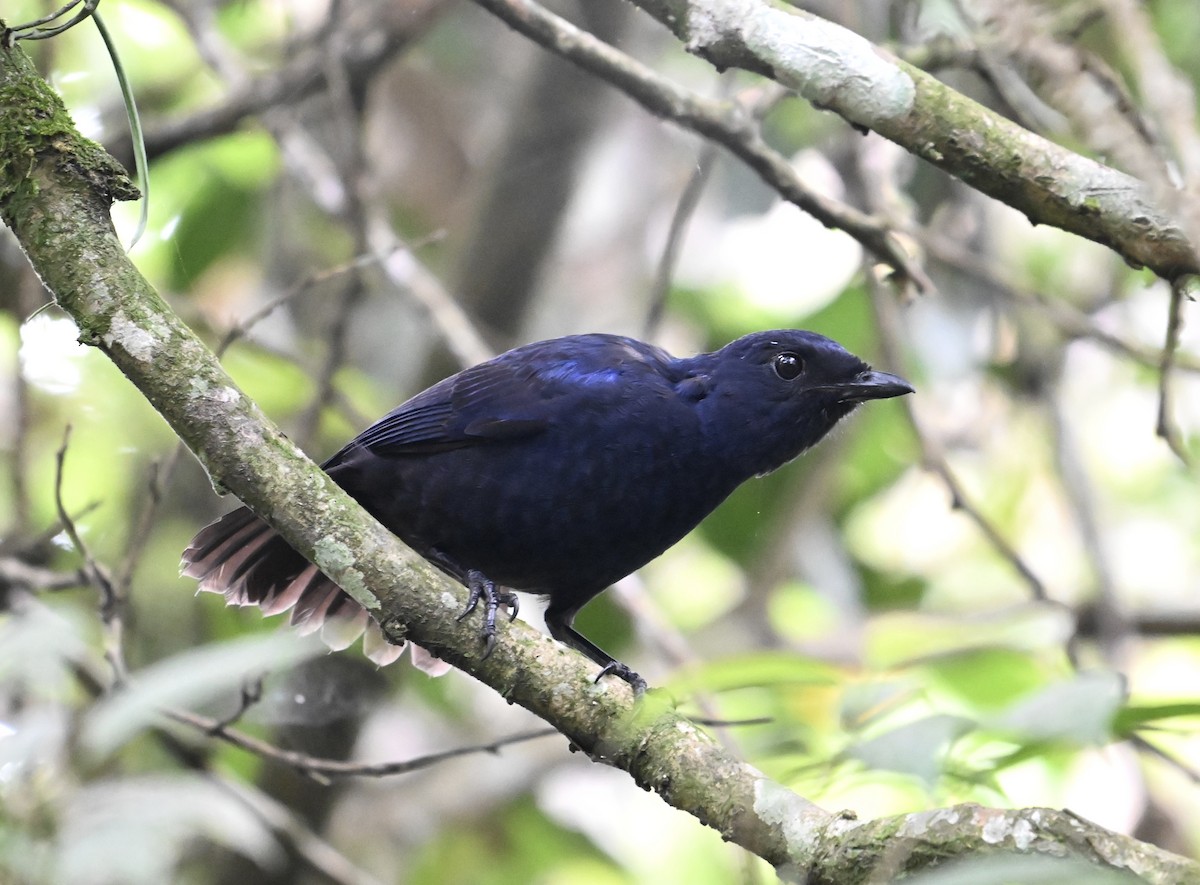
pixel 314 851
pixel 1071 322
pixel 770 96
pixel 248 322
pixel 156 488
pixel 1164 426
pixel 933 458
pixel 381 33
pixel 405 271
pixel 350 163
pixel 18 573
pixel 111 603
pixel 1179 765
pixel 249 696
pixel 689 199
pixel 334 768
pixel 336 353
pixel 11 546
pixel 671 643
pixel 35 30
pixel 200 20
pixel 1111 626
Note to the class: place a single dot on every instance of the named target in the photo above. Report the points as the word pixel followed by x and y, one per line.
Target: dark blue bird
pixel 557 468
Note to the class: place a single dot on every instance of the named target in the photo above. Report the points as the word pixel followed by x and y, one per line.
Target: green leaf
pixel 991 678
pixel 866 702
pixel 1081 710
pixel 917 748
pixel 900 638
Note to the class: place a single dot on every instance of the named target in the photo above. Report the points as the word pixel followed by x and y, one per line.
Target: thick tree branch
pixel 840 71
pixel 55 194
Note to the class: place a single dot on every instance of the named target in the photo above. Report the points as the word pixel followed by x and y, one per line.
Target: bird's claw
pixel 622 672
pixel 481 587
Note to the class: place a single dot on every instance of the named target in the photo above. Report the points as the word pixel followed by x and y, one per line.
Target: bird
pixel 556 468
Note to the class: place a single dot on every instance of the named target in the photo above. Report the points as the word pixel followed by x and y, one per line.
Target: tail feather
pixel 199 557
pixel 341 632
pixel 220 554
pixel 267 562
pixel 286 598
pixel 242 558
pixel 309 612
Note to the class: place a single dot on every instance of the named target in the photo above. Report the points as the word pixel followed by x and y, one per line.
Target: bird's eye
pixel 787 366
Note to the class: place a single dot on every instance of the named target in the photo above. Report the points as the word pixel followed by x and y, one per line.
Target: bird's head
pixel 771 395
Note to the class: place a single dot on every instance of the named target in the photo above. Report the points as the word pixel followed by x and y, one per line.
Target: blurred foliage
pixel 885 655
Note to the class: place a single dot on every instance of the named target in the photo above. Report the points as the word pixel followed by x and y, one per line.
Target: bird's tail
pixel 244 559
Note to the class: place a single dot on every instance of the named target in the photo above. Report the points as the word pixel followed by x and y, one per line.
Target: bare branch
pixel 370 43
pixel 1071 322
pixel 15 573
pixel 111 603
pixel 1164 426
pixel 728 124
pixel 689 199
pixel 403 269
pixel 316 853
pixel 335 768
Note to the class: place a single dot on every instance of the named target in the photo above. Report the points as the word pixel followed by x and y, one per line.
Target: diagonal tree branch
pixel 727 123
pixel 370 40
pixel 840 71
pixel 55 193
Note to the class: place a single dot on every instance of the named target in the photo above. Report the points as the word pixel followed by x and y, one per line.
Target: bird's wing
pixel 419 425
pixel 518 394
pixel 434 421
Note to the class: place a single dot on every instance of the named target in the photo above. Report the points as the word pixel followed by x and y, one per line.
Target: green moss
pixel 35 126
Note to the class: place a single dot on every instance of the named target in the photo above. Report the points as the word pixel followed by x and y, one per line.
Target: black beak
pixel 872 385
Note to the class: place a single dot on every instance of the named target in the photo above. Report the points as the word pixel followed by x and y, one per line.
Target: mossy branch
pixel 843 72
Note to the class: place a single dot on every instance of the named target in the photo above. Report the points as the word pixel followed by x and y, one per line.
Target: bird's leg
pixel 559 624
pixel 480 586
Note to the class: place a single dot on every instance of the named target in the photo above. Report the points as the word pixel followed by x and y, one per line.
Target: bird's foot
pixel 621 671
pixel 481 587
